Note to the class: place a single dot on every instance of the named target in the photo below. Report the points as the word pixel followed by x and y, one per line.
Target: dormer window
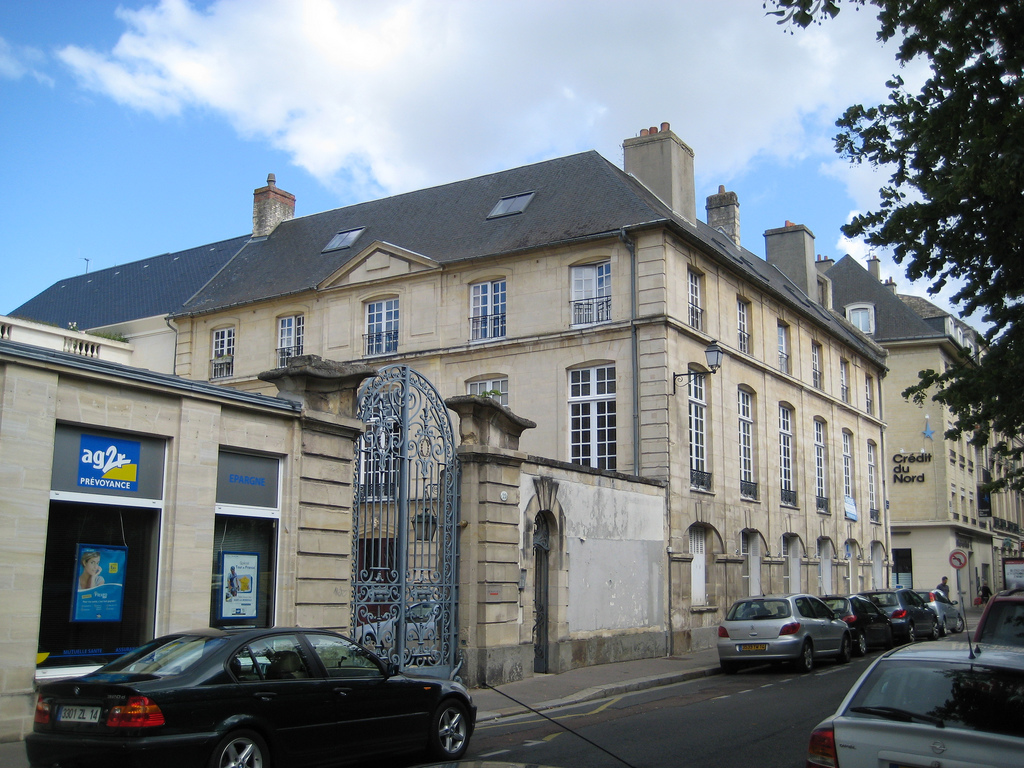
pixel 343 239
pixel 510 205
pixel 862 316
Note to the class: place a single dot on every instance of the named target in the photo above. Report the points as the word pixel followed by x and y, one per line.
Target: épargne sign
pixel 906 469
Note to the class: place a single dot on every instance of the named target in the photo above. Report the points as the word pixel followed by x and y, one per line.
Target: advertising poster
pixel 98 592
pixel 107 462
pixel 238 596
pixel 1013 573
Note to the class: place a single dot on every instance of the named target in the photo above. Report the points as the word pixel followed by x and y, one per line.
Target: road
pixel 760 717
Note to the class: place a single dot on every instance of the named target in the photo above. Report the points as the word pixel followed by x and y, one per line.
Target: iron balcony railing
pixel 744 342
pixel 382 343
pixel 869 405
pixel 844 392
pixel 700 480
pixel 222 367
pixel 821 504
pixel 748 489
pixel 788 497
pixel 594 310
pixel 696 317
pixel 284 354
pixel 816 378
pixel 487 327
pixel 875 515
pixel 783 362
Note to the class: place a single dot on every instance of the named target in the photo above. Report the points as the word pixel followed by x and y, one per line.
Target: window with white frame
pixel 487 310
pixel 783 348
pixel 862 316
pixel 381 327
pixel 847 464
pixel 496 389
pixel 290 332
pixel 592 416
pixel 748 483
pixel 816 376
pixel 698 565
pixel 869 394
pixel 743 326
pixel 844 380
pixel 786 455
pixel 696 314
pixel 872 479
pixel 700 477
pixel 222 364
pixel 592 293
pixel 820 465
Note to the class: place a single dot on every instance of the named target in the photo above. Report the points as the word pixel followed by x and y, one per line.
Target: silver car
pixel 948 611
pixel 929 705
pixel 777 628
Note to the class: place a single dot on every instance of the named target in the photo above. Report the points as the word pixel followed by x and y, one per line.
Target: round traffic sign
pixel 958 558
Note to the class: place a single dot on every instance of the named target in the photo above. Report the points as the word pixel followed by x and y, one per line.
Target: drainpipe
pixel 634 347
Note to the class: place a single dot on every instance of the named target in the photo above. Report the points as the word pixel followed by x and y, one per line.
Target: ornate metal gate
pixel 405 523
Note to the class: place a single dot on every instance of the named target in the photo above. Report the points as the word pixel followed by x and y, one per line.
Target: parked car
pixel 253 697
pixel 1002 622
pixel 777 628
pixel 948 611
pixel 928 705
pixel 911 618
pixel 869 624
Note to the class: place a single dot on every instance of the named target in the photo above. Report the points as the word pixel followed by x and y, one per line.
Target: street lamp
pixel 714 355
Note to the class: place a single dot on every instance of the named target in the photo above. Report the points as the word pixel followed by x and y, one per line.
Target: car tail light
pixel 139 712
pixel 722 631
pixel 42 710
pixel 821 752
pixel 850 619
pixel 790 629
pixel 899 613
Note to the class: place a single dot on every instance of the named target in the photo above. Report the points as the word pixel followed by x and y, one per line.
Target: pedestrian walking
pixel 943 586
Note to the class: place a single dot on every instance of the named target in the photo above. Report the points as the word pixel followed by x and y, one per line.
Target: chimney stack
pixel 663 164
pixel 270 206
pixel 875 268
pixel 790 249
pixel 724 213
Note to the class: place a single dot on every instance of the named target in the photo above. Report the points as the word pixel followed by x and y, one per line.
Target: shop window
pixel 244 564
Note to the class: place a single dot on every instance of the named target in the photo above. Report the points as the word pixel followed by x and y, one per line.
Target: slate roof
pixel 894 319
pixel 150 287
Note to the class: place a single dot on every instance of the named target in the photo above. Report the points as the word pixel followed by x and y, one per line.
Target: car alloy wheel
pixel 805 661
pixel 845 650
pixel 861 648
pixel 959 624
pixel 911 634
pixel 241 749
pixel 449 732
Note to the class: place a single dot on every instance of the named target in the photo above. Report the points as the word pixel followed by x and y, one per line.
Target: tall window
pixel 487 310
pixel 816 377
pixel 382 327
pixel 496 389
pixel 223 363
pixel 820 467
pixel 783 348
pixel 290 331
pixel 592 416
pixel 743 326
pixel 844 380
pixel 592 293
pixel 869 394
pixel 699 475
pixel 748 484
pixel 696 304
pixel 786 455
pixel 847 464
pixel 872 483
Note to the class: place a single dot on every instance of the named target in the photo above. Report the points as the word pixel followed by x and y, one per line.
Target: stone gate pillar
pixel 489 545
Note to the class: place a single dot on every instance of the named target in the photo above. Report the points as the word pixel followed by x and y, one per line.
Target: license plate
pixel 754 647
pixel 79 714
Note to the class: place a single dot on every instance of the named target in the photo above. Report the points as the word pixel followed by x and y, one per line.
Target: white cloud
pixel 17 62
pixel 407 93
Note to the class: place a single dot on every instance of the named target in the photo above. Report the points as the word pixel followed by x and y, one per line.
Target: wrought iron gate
pixel 405 524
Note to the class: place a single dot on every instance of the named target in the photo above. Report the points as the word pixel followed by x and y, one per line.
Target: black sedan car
pixel 870 625
pixel 911 617
pixel 247 698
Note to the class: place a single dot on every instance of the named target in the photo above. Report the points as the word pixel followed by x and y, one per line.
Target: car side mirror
pixel 393 669
pixel 955 602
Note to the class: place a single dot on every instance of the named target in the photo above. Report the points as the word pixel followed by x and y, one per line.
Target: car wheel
pixel 934 634
pixel 959 624
pixel 942 628
pixel 449 730
pixel 861 648
pixel 845 650
pixel 730 667
pixel 911 634
pixel 805 661
pixel 241 749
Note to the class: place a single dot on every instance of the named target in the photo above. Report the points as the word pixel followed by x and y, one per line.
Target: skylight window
pixel 344 239
pixel 510 205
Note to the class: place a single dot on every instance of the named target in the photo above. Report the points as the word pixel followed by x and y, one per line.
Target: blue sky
pixel 135 128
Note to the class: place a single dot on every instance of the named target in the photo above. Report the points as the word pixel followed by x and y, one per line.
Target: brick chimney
pixel 724 213
pixel 790 249
pixel 270 206
pixel 875 268
pixel 664 164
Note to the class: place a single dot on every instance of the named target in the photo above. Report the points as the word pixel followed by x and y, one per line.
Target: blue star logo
pixel 928 431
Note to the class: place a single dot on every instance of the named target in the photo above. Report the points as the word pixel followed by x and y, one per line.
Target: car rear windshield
pixel 166 655
pixel 884 599
pixel 758 609
pixel 973 696
pixel 1004 624
pixel 837 604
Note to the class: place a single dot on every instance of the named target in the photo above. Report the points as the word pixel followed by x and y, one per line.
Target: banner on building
pixel 98 593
